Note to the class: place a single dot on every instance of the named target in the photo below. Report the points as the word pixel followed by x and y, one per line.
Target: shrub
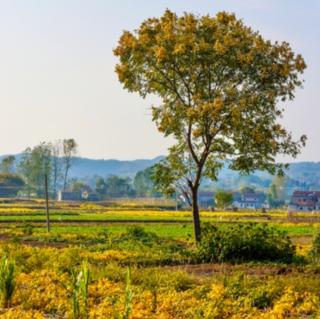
pixel 246 242
pixel 68 259
pixel 27 228
pixel 252 291
pixel 140 234
pixel 262 298
pixel 112 271
pixel 315 249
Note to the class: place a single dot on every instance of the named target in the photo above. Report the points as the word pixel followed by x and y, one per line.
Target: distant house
pixel 10 185
pixel 8 191
pixel 77 196
pixel 205 199
pixel 90 196
pixel 305 201
pixel 250 200
pixel 69 196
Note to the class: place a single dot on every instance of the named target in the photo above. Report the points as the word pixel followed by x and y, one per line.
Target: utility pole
pixel 47 201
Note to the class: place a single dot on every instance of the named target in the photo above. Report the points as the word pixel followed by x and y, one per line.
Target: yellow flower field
pixel 166 280
pixel 44 288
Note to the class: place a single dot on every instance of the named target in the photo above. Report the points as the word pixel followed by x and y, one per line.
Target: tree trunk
pixel 47 201
pixel 196 216
pixel 65 178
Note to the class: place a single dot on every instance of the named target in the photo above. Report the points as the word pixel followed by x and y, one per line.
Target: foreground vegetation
pixel 150 268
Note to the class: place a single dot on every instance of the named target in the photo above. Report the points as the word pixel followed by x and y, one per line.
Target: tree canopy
pixel 143 183
pixel 53 159
pixel 114 186
pixel 223 199
pixel 220 83
pixel 35 163
pixel 7 164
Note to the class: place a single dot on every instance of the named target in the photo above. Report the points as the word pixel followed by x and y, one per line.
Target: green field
pixel 168 280
pixel 95 217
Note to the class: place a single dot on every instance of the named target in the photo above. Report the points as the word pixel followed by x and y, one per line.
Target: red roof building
pixel 305 201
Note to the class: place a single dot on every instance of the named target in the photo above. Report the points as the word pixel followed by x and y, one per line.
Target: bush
pixel 246 242
pixel 253 291
pixel 315 250
pixel 157 279
pixel 27 228
pixel 138 233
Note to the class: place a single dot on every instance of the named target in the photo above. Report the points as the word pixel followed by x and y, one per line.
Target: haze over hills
pixel 302 174
pixel 84 167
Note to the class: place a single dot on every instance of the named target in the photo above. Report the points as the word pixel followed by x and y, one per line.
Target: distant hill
pixel 303 174
pixel 84 167
pixel 300 175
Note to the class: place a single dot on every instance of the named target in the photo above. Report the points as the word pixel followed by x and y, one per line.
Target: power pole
pixel 47 201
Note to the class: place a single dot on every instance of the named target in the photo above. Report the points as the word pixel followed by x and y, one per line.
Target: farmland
pixel 143 264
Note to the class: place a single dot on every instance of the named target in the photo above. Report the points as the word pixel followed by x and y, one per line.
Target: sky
pixel 57 76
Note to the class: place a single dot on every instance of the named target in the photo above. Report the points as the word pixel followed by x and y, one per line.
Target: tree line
pixel 25 175
pixel 112 186
pixel 53 159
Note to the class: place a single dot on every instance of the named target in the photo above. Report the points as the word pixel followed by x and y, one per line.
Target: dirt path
pixel 229 269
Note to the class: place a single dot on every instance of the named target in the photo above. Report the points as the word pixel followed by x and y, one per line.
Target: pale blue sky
pixel 57 75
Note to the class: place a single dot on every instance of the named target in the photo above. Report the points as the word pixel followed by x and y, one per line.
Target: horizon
pixel 148 159
pixel 59 82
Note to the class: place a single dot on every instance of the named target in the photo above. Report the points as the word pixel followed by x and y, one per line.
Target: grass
pixel 163 230
pixel 171 230
pixel 94 218
pixel 298 229
pixel 166 279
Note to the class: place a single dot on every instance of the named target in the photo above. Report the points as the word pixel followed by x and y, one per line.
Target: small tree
pixel 7 164
pixel 143 183
pixel 115 186
pixel 223 199
pixel 101 186
pixel 69 147
pixel 276 195
pixel 220 83
pixel 56 149
pixel 34 165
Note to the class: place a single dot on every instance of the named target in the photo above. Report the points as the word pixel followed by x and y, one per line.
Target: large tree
pixel 220 83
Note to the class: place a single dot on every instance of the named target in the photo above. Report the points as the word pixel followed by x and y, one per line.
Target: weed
pixel 7 280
